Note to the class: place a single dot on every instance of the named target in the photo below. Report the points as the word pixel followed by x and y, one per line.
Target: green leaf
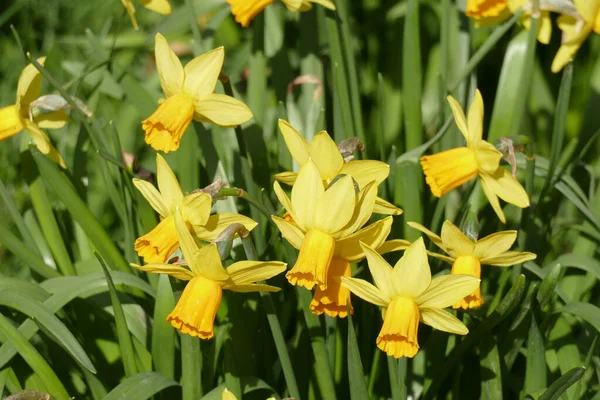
pixel 535 371
pixel 560 385
pixel 588 312
pixel 140 386
pixel 356 376
pixel 412 77
pixel 163 334
pixel 491 380
pixel 546 288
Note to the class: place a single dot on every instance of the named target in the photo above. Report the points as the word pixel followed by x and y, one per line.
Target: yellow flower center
pixel 167 124
pixel 313 261
pixel 485 8
pixel 332 300
pixel 245 10
pixel 468 265
pixel 157 245
pixel 449 169
pixel 398 336
pixel 195 311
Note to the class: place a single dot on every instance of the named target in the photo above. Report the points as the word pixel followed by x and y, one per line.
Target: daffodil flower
pixel 244 11
pixel 160 6
pixel 190 95
pixel 323 151
pixel 466 256
pixel 575 30
pixel 487 12
pixel 194 313
pixel 408 296
pixel 158 244
pixel 16 117
pixel 452 168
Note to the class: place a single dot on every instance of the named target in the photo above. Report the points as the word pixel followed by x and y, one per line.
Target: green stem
pixel 191 368
pixel 412 77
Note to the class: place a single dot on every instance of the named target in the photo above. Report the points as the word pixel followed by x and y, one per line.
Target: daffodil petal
pixel 170 70
pixel 508 258
pixel 508 188
pixel 168 185
pixel 587 8
pixel 217 223
pixel 169 269
pixel 251 287
pixel 10 122
pixel 459 117
pixel 326 155
pixel 187 244
pixel 29 86
pixel 296 144
pixel 456 241
pixel 202 73
pixel 446 290
pixel 160 6
pixel 362 211
pixel 494 244
pixel 373 236
pixel 42 141
pixel 385 207
pixel 366 171
pixel 336 206
pixel 381 271
pixel 131 11
pixel 432 236
pixel 325 3
pixel 390 246
pixel 306 192
pixel 491 196
pixel 286 177
pixel 475 119
pixel 196 208
pixel 153 196
pixel 365 291
pixel 244 272
pixel 286 203
pixel 53 120
pixel 487 156
pixel 412 275
pixel 290 232
pixel 222 110
pixel 442 320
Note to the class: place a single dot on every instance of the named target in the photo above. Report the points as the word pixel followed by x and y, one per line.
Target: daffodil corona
pixel 408 296
pixel 160 6
pixel 195 312
pixel 487 12
pixel 452 168
pixel 190 95
pixel 158 244
pixel 244 11
pixel 16 117
pixel 466 256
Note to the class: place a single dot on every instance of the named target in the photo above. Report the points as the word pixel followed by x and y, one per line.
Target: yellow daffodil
pixel 195 311
pixel 244 11
pixel 323 151
pixel 452 168
pixel 15 118
pixel 467 256
pixel 324 224
pixel 157 245
pixel 487 12
pixel 190 95
pixel 576 28
pixel 160 6
pixel 408 296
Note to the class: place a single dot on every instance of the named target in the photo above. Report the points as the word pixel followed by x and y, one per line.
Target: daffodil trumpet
pixel 244 11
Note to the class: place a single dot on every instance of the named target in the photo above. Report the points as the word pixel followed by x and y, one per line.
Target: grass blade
pixel 356 376
pixel 559 386
pixel 535 372
pixel 163 334
pixel 412 76
pixel 140 386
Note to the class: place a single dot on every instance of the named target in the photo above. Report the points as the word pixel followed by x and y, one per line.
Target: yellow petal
pixel 365 291
pixel 432 236
pixel 325 3
pixel 362 211
pixel 152 196
pixel 227 395
pixel 494 244
pixel 244 272
pixel 459 117
pixel 202 73
pixel 507 188
pixel 160 6
pixel 42 141
pixel 10 122
pixel 455 241
pixel 168 185
pixel 306 192
pixel 366 171
pixel 326 155
pixel 286 177
pixel 287 204
pixel 244 11
pixel 170 70
pixel 222 110
pixel 385 207
pixel 487 156
pixel 296 144
pixel 491 196
pixel 165 127
pixel 290 232
pixel 587 8
pixel 251 287
pixel 373 236
pixel 157 245
pixel 196 208
pixel 412 274
pixel 217 223
pixel 390 246
pixel 442 320
pixel 381 272
pixel 446 290
pixel 29 86
pixel 508 258
pixel 53 120
pixel 336 206
pixel 335 299
pixel 475 121
pixel 131 11
pixel 169 269
pixel 544 28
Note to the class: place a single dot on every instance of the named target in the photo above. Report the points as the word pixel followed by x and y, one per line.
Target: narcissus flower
pixel 244 11
pixel 466 256
pixel 487 12
pixel 452 168
pixel 408 296
pixel 157 245
pixel 160 6
pixel 195 311
pixel 576 28
pixel 323 151
pixel 190 95
pixel 16 117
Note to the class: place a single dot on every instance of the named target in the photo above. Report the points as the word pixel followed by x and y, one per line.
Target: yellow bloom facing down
pixel 16 117
pixel 452 168
pixel 323 151
pixel 157 245
pixel 466 256
pixel 160 6
pixel 190 95
pixel 408 296
pixel 194 313
pixel 244 11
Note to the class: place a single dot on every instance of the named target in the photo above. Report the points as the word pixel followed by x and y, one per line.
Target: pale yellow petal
pixel 53 120
pixel 286 177
pixel 412 274
pixel 169 269
pixel 188 245
pixel 152 195
pixel 131 11
pixel 432 236
pixel 487 156
pixel 459 117
pixel 42 141
pixel 29 86
pixel 296 144
pixel 385 207
pixel 447 290
pixel 335 207
pixel 455 241
pixel 475 119
pixel 244 272
pixel 362 211
pixel 222 110
pixel 390 246
pixel 10 122
pixel 494 244
pixel 508 258
pixel 251 287
pixel 196 208
pixel 325 3
pixel 160 6
pixel 508 188
pixel 290 232
pixel 287 204
pixel 217 223
pixel 381 272
pixel 202 73
pixel 442 320
pixel 326 155
pixel 227 395
pixel 588 9
pixel 491 196
pixel 170 70
pixel 365 291
pixel 168 185
pixel 366 171
pixel 373 235
pixel 306 192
